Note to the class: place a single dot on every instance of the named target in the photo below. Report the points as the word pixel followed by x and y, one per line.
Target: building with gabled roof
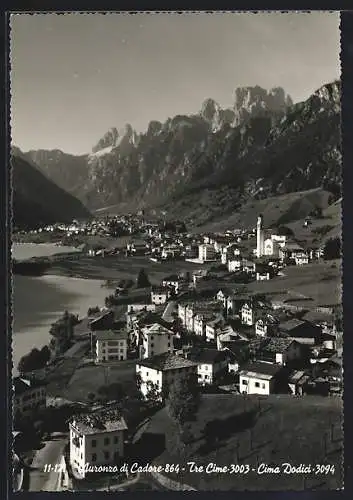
pixel 156 339
pixel 111 345
pixel 211 364
pixel 258 378
pixel 96 438
pixel 160 371
pixel 29 396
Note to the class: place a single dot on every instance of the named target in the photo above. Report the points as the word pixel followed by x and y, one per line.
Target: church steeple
pixel 259 237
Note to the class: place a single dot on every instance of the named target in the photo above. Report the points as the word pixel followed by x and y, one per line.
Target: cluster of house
pixel 220 335
pixel 234 341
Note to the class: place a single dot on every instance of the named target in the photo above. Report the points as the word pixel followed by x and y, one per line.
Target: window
pixel 244 382
pixel 152 345
pixel 263 386
pixel 106 441
pixel 257 384
pixel 94 443
pixel 94 457
pixel 206 367
pixel 106 455
pixel 146 374
pixel 115 439
pixel 206 377
pixel 168 344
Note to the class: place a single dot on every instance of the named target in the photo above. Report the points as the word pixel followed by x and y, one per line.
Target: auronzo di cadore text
pixel 212 468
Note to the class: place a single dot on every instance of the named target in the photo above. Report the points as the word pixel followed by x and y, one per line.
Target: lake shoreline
pixel 40 301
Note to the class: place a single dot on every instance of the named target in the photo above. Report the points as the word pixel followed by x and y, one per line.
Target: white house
pixel 160 295
pixel 182 312
pixel 249 314
pixel 301 259
pixel 156 340
pixel 29 396
pixel 199 324
pixel 262 276
pixel 211 364
pixel 235 265
pixel 249 266
pixel 172 282
pixel 206 252
pixel 214 327
pixel 96 439
pixel 258 378
pixel 161 370
pixel 222 296
pixel 261 327
pixel 111 345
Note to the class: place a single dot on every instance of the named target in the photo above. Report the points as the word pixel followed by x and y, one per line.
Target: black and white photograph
pixel 176 251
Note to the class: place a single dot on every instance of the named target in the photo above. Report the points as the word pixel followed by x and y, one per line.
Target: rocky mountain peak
pixel 215 116
pixel 209 109
pixel 250 102
pixel 109 139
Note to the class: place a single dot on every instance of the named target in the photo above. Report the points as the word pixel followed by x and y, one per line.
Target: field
pixel 88 379
pixel 320 281
pixel 119 267
pixel 271 430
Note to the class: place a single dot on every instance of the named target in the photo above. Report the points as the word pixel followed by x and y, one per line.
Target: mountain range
pixel 218 159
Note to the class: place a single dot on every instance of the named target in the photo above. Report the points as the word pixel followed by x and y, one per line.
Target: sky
pixel 74 76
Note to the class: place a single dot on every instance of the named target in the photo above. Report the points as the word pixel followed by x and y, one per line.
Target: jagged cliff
pixel 262 146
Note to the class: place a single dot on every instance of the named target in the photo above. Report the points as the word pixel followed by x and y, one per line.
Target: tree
pixel 45 354
pixel 153 393
pixel 142 279
pixel 332 249
pixel 62 331
pixel 31 361
pixel 93 310
pixel 183 400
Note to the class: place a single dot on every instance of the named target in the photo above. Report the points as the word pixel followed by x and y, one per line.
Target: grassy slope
pixel 276 210
pixel 287 429
pixel 320 281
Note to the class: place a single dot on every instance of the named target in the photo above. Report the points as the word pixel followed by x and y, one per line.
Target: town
pixel 227 324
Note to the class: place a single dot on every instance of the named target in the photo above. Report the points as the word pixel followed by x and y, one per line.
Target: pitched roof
pixel 206 356
pixel 111 335
pixel 260 369
pixel 99 422
pixel 166 361
pixel 291 324
pixel 157 329
pixel 277 344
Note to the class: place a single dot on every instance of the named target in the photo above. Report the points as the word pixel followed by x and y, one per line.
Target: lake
pixel 23 251
pixel 39 301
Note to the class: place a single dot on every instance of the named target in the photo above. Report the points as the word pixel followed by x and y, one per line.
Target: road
pixel 51 453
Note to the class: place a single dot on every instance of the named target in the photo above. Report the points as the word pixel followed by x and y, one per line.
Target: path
pixel 51 453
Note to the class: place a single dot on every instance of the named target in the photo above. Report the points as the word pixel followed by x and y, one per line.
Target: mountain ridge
pixel 264 146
